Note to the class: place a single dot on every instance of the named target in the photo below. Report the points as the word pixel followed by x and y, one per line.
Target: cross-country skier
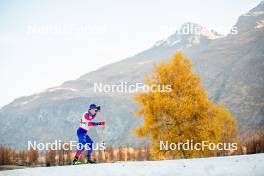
pixel 84 139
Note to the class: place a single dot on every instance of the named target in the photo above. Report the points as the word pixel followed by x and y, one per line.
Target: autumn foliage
pixel 184 113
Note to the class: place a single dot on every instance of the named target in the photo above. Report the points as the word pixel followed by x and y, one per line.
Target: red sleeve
pixel 92 124
pixel 86 116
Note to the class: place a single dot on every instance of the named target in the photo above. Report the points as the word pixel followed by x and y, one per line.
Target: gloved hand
pixel 102 123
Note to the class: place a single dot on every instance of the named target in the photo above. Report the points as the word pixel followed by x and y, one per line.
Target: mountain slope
pixel 55 112
pixel 231 68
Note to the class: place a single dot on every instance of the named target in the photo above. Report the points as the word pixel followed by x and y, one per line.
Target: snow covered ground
pixel 244 165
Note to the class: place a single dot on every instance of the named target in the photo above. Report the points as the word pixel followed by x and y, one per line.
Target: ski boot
pixel 89 161
pixel 75 161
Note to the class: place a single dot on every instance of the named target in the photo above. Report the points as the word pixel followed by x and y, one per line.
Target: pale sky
pixel 43 44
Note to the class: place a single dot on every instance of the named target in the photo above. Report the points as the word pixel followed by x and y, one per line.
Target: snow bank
pixel 243 165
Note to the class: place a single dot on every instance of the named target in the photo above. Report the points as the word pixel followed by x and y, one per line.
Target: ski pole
pixel 102 138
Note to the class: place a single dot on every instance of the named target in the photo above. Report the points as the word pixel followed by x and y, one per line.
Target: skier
pixel 84 139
